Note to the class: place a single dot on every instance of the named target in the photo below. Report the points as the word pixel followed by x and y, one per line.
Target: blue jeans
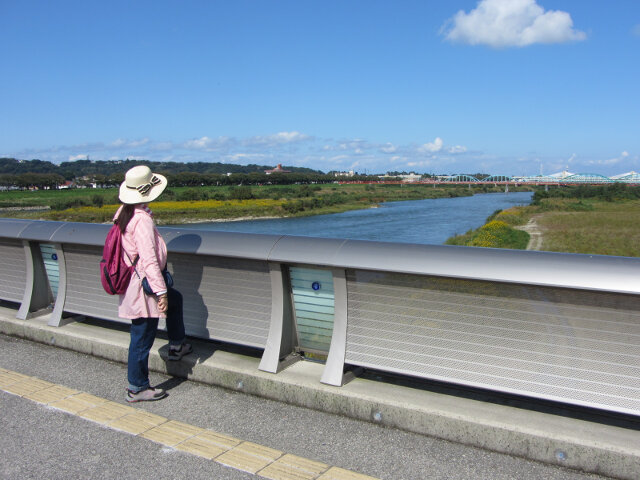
pixel 143 333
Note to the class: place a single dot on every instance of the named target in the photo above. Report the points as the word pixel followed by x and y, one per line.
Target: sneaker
pixel 148 395
pixel 178 353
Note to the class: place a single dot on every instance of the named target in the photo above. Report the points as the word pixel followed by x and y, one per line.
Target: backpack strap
pixel 133 263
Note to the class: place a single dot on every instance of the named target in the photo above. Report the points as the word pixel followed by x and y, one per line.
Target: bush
pixel 497 234
pixel 242 192
pixel 193 195
pixel 293 207
pixel 65 204
pixel 97 200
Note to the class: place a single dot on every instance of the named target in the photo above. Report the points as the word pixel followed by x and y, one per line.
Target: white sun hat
pixel 141 185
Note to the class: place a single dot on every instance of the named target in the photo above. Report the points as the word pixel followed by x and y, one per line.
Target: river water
pixel 430 221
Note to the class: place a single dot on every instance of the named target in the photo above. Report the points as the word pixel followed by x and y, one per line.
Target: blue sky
pixel 510 87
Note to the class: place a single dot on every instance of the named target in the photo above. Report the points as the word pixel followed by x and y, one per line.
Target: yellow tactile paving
pixel 249 457
pixel 208 444
pixel 291 467
pixel 138 422
pixel 9 378
pixel 27 386
pixel 78 403
pixel 232 452
pixel 172 433
pixel 51 394
pixel 106 412
pixel 335 473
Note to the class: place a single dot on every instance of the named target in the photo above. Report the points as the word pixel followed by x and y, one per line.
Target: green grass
pixel 598 227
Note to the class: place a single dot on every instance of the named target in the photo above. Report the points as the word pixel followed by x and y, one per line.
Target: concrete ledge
pixel 554 439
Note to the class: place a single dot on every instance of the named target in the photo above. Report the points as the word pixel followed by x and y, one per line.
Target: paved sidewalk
pixel 223 449
pixel 565 441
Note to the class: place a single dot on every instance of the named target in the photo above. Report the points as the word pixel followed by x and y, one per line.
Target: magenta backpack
pixel 115 274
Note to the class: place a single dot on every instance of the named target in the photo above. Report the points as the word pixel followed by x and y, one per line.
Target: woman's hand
pixel 163 303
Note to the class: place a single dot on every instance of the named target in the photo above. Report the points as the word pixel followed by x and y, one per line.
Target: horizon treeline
pixel 110 173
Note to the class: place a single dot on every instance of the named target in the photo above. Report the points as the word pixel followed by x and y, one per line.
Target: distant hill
pixel 80 168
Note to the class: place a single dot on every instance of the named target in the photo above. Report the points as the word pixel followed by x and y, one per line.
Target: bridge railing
pixel 562 327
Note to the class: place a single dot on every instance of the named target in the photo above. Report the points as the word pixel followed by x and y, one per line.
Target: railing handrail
pixel 562 270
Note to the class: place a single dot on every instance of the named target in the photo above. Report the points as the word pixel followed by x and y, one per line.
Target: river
pixel 430 221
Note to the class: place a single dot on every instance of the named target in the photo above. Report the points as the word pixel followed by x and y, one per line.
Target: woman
pixel 142 241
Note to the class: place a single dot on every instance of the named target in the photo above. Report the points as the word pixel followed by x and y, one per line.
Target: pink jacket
pixel 141 238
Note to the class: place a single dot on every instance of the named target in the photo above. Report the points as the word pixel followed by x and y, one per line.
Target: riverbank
pixel 579 221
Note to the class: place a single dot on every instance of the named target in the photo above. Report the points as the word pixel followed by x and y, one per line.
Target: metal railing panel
pixel 84 292
pixel 559 344
pixel 225 299
pixel 13 270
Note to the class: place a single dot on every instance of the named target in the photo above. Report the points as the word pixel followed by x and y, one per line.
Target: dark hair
pixel 126 214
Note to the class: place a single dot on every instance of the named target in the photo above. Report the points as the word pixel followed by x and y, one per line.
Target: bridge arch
pixel 587 178
pixel 461 177
pixel 631 177
pixel 498 178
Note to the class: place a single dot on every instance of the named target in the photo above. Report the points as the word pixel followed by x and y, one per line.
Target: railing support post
pixel 333 373
pixel 37 294
pixel 56 319
pixel 278 352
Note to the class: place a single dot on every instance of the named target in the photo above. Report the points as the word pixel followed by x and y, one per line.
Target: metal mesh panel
pixel 85 295
pixel 13 270
pixel 574 346
pixel 226 299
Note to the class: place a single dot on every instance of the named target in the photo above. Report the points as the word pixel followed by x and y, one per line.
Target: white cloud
pixel 162 146
pixel 611 161
pixel 511 23
pixel 206 143
pixel 138 143
pixel 388 148
pixel 124 143
pixel 247 157
pixel 277 139
pixel 432 147
pixel 73 158
pixel 457 149
pixel 198 143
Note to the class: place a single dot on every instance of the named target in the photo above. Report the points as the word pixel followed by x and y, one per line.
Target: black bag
pixel 168 279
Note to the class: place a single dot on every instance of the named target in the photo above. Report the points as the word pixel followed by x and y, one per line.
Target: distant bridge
pixel 565 178
pixel 559 179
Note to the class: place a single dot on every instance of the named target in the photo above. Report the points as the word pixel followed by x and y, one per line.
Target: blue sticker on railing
pixel 315 285
pixel 54 256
